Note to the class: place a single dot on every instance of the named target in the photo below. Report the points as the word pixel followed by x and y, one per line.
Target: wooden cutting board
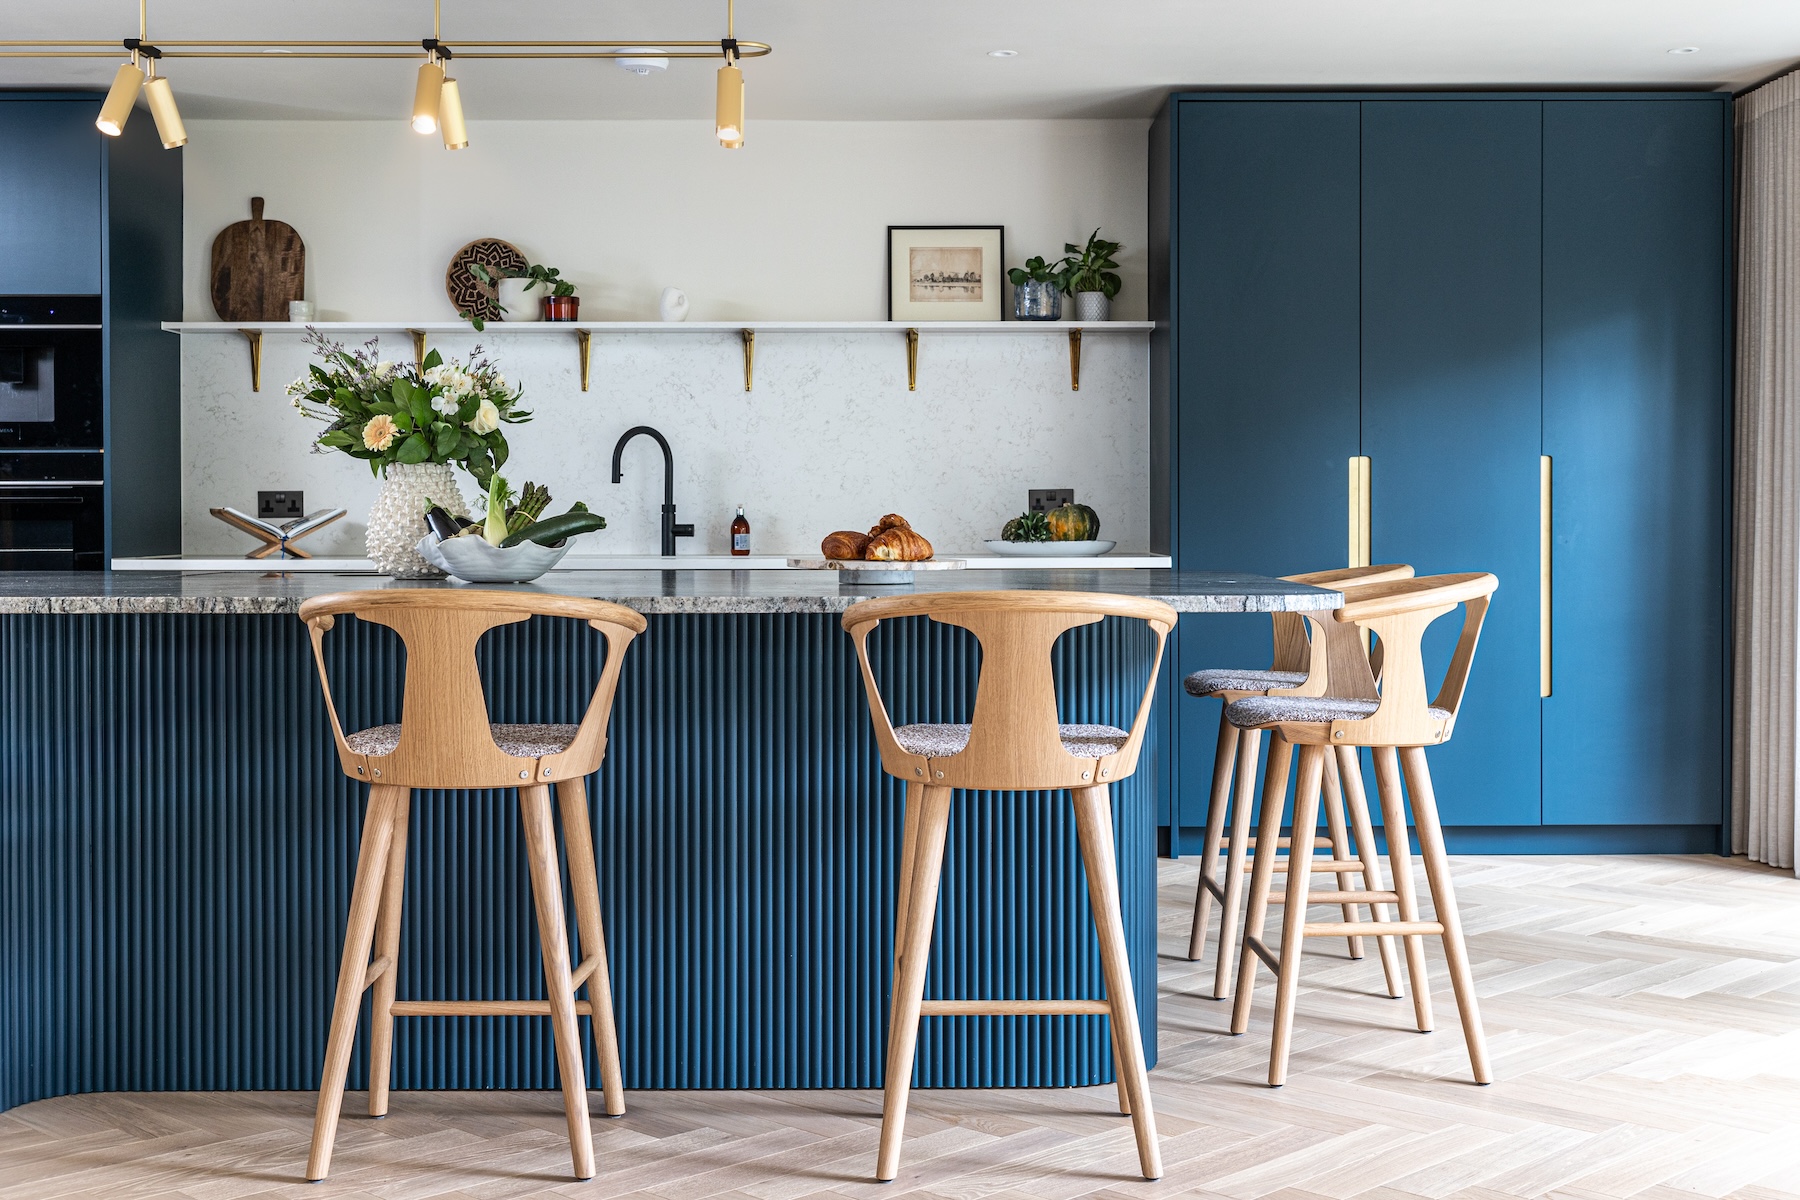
pixel 257 267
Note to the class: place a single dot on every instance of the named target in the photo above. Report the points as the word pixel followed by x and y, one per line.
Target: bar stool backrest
pixel 445 739
pixel 1398 614
pixel 1013 739
pixel 1344 666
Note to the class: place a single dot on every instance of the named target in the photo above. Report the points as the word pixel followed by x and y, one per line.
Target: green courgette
pixel 551 530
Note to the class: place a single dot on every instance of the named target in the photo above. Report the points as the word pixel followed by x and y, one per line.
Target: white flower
pixel 445 404
pixel 486 418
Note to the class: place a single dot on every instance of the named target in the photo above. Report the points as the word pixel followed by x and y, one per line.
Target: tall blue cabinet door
pixel 1635 229
pixel 1266 328
pixel 49 197
pixel 1451 408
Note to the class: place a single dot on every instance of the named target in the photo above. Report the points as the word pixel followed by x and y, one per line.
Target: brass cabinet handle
pixel 1359 549
pixel 1544 589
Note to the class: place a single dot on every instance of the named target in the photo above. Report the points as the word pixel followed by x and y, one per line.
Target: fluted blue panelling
pixel 177 845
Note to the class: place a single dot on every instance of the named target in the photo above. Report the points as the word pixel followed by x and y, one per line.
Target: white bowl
pixel 472 560
pixel 1050 549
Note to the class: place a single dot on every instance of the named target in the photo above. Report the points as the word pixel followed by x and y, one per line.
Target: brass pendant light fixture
pixel 437 100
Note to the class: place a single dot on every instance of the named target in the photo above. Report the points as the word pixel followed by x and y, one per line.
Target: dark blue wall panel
pixel 1635 301
pixel 177 844
pixel 50 164
pixel 1451 411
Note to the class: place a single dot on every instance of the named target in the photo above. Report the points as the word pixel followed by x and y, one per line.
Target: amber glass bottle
pixel 740 534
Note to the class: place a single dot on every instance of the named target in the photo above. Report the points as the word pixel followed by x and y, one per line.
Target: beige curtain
pixel 1767 538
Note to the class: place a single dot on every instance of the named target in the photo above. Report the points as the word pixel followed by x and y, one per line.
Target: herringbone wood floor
pixel 1644 1015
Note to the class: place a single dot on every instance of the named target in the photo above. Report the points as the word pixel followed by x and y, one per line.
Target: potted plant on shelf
pixel 1088 274
pixel 558 302
pixel 411 424
pixel 1037 290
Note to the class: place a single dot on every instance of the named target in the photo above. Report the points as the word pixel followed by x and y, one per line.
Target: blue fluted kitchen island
pixel 177 841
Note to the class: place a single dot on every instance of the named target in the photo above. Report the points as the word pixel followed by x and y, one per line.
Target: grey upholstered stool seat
pixel 942 741
pixel 1254 711
pixel 1226 679
pixel 520 741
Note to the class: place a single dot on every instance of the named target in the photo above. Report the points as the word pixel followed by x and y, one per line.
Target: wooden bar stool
pixel 1015 742
pixel 444 740
pixel 1397 721
pixel 1296 671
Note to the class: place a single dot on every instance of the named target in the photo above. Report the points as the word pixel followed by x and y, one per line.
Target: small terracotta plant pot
pixel 562 308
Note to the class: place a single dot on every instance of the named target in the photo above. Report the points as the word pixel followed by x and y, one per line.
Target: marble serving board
pixel 862 572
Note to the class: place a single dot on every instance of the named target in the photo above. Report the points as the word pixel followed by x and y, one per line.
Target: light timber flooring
pixel 1643 1014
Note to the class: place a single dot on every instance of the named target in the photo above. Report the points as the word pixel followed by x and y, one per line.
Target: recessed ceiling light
pixel 1685 50
pixel 1003 54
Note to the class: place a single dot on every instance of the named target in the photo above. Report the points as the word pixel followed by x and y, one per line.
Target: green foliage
pixel 1036 270
pixel 549 277
pixel 1090 268
pixel 383 412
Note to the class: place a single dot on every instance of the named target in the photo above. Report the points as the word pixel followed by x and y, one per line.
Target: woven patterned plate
pixel 468 293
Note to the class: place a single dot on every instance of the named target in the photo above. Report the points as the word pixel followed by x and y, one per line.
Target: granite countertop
pixel 651 592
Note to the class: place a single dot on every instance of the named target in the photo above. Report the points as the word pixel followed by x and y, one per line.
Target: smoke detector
pixel 643 60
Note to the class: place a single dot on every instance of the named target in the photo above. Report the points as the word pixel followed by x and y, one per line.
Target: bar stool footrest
pixel 1014 1008
pixel 1370 928
pixel 482 1008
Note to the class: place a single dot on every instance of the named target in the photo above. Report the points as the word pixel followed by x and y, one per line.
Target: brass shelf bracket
pixel 1074 360
pixel 749 357
pixel 254 337
pixel 912 360
pixel 418 337
pixel 584 338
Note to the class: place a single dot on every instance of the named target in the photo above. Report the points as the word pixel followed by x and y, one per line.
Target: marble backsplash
pixel 829 439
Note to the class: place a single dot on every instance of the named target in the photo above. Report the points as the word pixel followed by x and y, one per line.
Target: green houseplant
pixel 511 289
pixel 1037 290
pixel 1090 275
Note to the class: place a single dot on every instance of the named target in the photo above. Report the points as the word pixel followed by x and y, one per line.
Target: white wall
pixel 793 227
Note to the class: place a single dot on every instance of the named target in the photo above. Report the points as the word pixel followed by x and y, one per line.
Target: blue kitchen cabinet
pixel 50 197
pixel 1451 413
pixel 1267 364
pixel 1636 295
pixel 1533 274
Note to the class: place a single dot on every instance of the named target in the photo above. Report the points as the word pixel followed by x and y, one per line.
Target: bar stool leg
pixel 1340 847
pixel 912 939
pixel 1393 819
pixel 584 886
pixel 1443 899
pixel 387 946
pixel 546 895
pixel 1223 759
pixel 903 879
pixel 1293 916
pixel 359 934
pixel 1093 827
pixel 1356 800
pixel 1268 839
pixel 1231 907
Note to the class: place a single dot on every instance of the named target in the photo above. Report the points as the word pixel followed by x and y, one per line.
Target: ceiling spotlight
pixel 730 108
pixel 450 117
pixel 119 99
pixel 1003 54
pixel 642 60
pixel 1685 50
pixel 427 96
pixel 163 110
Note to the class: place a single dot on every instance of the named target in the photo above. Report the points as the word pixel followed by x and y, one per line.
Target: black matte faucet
pixel 670 530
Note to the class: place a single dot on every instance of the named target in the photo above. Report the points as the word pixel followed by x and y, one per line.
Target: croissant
pixel 845 543
pixel 891 521
pixel 898 544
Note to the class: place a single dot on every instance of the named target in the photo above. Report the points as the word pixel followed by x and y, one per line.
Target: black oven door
pixel 52 393
pixel 51 527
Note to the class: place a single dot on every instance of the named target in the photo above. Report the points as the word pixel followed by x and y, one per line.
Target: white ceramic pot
pixel 397 521
pixel 521 305
pixel 674 305
pixel 1093 306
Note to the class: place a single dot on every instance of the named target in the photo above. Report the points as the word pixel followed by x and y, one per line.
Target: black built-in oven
pixel 52 437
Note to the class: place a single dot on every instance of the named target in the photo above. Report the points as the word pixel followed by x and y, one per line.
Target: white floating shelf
pixel 584 331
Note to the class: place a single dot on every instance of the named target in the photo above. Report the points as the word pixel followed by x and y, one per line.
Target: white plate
pixel 1050 549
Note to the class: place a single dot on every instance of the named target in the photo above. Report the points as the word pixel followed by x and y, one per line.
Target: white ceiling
pixel 927 59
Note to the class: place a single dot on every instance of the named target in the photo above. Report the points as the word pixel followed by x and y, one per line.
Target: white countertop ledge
pixel 640 562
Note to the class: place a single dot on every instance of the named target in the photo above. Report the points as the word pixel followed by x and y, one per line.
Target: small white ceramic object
pixel 301 311
pixel 521 305
pixel 1093 306
pixel 1050 549
pixel 674 305
pixel 472 560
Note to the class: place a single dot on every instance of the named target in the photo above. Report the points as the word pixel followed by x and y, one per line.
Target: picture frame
pixel 946 272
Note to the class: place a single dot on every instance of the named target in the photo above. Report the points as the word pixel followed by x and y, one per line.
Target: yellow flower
pixel 486 418
pixel 379 433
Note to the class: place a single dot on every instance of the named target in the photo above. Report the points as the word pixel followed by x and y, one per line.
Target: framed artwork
pixel 945 272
